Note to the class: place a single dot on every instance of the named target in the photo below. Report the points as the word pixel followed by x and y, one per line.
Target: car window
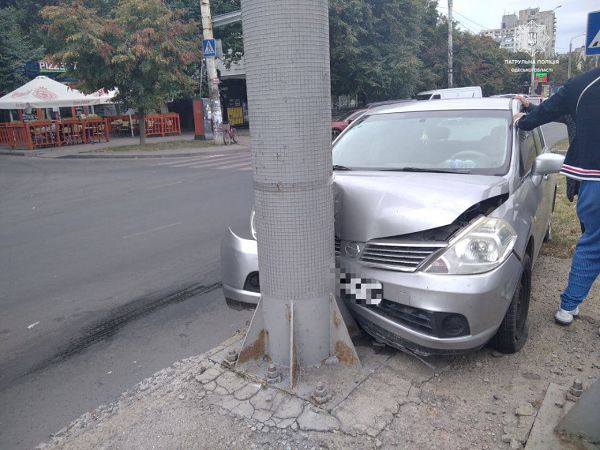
pixel 436 97
pixel 477 141
pixel 528 150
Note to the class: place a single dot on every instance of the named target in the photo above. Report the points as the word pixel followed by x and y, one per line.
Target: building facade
pixel 514 33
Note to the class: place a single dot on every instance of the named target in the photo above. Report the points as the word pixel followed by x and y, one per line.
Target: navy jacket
pixel 579 97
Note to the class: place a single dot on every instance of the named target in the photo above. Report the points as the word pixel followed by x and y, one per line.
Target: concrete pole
pixel 211 72
pixel 297 322
pixel 450 47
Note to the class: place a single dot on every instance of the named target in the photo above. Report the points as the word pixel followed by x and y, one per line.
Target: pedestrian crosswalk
pixel 240 161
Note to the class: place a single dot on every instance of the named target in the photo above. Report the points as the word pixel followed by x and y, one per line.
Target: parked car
pixel 338 126
pixel 441 210
pixel 442 94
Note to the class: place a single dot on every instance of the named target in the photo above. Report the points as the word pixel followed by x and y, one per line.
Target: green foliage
pixel 380 49
pixel 141 47
pixel 375 47
pixel 15 51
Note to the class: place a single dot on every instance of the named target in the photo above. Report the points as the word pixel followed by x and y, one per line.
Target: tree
pixel 141 47
pixel 375 47
pixel 16 50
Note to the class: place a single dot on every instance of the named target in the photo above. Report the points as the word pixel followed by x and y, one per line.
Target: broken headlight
pixel 481 247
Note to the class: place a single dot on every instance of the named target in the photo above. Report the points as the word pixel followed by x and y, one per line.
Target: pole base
pixel 256 342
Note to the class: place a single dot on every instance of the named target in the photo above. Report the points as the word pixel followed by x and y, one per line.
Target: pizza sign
pixel 46 67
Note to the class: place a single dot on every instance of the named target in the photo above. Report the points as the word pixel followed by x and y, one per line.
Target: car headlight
pixel 481 247
pixel 253 224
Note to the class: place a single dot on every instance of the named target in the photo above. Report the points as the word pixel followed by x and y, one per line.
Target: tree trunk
pixel 142 125
pixel 286 46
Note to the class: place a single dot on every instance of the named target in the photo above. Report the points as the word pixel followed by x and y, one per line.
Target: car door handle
pixel 546 177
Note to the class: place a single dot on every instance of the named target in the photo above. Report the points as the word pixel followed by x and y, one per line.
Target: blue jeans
pixel 585 267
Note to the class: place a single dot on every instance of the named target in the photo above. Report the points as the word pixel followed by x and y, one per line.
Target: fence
pixel 55 133
pixel 47 133
pixel 156 124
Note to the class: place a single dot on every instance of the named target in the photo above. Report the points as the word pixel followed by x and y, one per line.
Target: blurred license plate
pixel 363 291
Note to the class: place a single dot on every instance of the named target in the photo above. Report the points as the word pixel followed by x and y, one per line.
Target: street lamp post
pixel 570 51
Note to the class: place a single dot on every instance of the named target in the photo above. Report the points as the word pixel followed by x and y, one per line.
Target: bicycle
pixel 229 134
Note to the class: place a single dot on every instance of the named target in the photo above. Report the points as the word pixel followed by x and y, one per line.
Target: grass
pixel 168 145
pixel 561 146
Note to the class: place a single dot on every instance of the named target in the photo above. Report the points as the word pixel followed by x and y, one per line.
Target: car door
pixel 548 185
pixel 534 186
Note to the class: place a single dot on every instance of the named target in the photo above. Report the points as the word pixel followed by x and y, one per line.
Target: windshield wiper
pixel 338 167
pixel 421 169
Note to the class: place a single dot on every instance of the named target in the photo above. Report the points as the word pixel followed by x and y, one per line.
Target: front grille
pixel 338 243
pixel 396 255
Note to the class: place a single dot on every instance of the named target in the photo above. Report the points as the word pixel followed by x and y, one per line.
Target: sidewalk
pixel 482 400
pixel 111 149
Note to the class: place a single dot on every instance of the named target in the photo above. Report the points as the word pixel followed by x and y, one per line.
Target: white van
pixel 462 92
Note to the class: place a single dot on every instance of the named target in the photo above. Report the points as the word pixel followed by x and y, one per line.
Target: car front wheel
pixel 513 331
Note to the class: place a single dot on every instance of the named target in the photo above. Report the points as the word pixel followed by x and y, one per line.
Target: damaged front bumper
pixel 239 262
pixel 419 311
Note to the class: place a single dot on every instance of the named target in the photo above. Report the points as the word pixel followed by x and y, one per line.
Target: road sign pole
pixel 211 72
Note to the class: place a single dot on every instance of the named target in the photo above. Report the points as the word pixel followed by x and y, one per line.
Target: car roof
pixel 444 105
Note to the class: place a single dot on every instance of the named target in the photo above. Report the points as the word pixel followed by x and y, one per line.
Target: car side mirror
pixel 547 163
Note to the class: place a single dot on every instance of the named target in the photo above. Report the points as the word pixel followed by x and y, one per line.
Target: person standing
pixel 579 98
pixel 572 183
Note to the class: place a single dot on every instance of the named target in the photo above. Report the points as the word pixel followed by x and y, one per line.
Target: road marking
pixel 33 325
pixel 238 165
pixel 182 162
pixel 152 230
pixel 220 163
pixel 211 162
pixel 164 185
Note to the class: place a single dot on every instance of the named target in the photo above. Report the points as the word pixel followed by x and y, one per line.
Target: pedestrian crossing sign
pixel 592 40
pixel 209 48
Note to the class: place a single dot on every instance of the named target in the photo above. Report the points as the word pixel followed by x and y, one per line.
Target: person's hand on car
pixel 523 101
pixel 517 116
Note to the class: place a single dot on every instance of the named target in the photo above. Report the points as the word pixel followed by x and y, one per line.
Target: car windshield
pixel 461 141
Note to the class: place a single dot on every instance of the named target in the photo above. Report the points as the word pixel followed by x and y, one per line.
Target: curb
pixel 30 154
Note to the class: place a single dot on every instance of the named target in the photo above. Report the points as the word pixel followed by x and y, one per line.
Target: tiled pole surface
pixel 286 47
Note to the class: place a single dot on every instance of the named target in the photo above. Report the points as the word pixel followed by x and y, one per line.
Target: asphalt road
pixel 110 272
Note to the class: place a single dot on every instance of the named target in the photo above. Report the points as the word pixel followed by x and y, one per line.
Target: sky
pixel 571 17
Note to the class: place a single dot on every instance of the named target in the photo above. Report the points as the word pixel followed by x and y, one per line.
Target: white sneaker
pixel 565 317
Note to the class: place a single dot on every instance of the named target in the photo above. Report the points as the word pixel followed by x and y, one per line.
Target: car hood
pixel 372 205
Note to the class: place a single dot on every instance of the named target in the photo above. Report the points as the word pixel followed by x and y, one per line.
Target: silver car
pixel 441 209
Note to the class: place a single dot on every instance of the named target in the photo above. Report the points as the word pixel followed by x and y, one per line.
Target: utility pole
pixel 532 44
pixel 450 47
pixel 297 322
pixel 570 51
pixel 211 72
